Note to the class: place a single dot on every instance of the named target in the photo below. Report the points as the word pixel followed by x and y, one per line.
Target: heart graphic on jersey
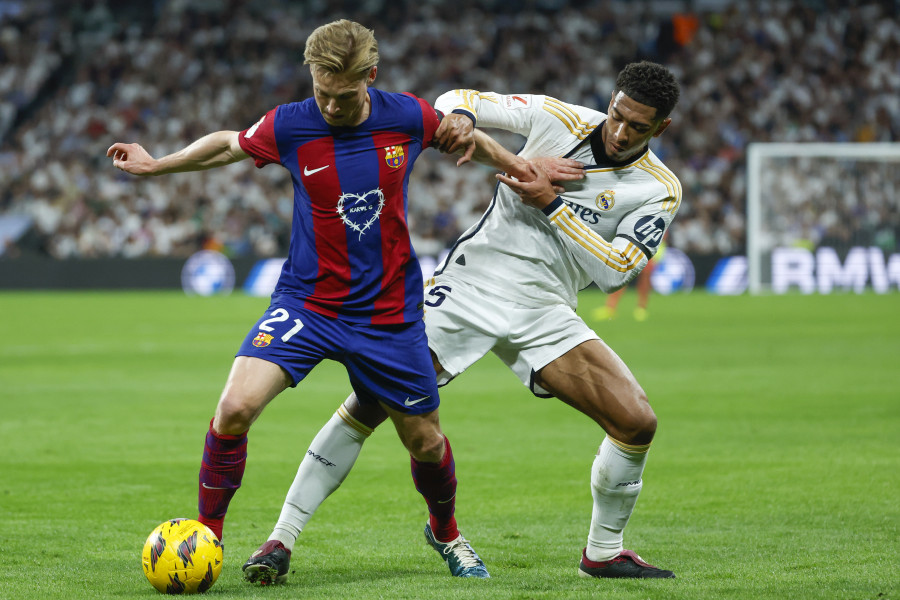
pixel 359 211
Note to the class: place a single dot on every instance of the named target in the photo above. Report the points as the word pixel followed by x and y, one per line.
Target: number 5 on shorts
pixel 438 294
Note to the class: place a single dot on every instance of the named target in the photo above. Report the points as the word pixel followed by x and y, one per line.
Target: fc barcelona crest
pixel 606 200
pixel 394 156
pixel 262 340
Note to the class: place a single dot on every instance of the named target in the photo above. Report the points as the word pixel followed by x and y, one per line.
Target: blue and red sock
pixel 437 484
pixel 224 458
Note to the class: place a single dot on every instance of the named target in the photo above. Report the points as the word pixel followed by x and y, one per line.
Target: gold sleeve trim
pixel 673 186
pixel 569 118
pixel 621 261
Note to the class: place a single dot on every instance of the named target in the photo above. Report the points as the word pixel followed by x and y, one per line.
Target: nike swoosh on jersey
pixel 307 172
pixel 409 402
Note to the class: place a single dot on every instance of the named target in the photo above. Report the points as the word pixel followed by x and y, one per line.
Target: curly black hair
pixel 651 84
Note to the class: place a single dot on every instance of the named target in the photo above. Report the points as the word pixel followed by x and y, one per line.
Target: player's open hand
pixel 456 134
pixel 131 158
pixel 559 170
pixel 535 188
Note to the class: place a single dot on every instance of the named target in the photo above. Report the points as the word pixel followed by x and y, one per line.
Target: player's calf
pixel 221 472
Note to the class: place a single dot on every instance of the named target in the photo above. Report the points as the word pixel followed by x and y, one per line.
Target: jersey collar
pixel 595 139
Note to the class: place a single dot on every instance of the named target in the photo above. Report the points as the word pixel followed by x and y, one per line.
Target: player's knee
pixel 639 426
pixel 234 415
pixel 427 448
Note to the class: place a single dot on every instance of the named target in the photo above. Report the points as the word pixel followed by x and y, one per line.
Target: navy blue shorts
pixel 390 363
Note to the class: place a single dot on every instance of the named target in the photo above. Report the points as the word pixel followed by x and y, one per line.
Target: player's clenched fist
pixel 455 134
pixel 131 158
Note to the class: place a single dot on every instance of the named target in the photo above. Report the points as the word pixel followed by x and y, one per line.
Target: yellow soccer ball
pixel 182 556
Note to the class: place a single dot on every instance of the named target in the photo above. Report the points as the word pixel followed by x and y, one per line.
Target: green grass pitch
pixel 775 472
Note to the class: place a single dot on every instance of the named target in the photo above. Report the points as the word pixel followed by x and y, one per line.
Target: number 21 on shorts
pixel 279 315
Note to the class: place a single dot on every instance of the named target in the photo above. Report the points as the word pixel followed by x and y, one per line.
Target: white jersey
pixel 603 228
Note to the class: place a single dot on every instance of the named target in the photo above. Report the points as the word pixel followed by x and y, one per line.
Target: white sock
pixel 615 485
pixel 327 463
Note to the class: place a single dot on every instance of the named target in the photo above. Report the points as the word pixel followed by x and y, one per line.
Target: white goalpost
pixel 823 216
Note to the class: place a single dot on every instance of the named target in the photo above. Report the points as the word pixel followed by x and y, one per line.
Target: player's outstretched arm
pixel 213 150
pixel 457 134
pixel 489 152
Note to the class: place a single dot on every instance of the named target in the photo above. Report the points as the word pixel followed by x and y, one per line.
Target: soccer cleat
pixel 641 314
pixel 458 554
pixel 268 565
pixel 626 564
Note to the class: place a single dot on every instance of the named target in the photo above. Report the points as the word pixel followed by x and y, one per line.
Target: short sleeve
pixel 259 140
pixel 430 121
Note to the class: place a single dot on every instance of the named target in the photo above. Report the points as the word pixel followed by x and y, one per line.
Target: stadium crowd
pixel 76 76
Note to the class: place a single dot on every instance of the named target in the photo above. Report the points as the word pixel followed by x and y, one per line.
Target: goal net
pixel 823 217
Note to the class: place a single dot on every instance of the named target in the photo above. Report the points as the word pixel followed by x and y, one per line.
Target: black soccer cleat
pixel 268 565
pixel 627 564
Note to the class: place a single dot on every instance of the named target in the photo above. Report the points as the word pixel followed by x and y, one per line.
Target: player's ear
pixel 370 79
pixel 662 126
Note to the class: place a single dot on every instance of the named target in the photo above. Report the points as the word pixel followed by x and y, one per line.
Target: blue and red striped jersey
pixel 350 255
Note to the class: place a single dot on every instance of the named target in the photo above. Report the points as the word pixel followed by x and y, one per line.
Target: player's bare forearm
pixel 213 150
pixel 489 152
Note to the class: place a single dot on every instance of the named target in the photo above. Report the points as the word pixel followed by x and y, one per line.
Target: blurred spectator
pixel 76 75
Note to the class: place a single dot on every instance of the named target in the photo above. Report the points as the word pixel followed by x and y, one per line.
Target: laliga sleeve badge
pixel 516 102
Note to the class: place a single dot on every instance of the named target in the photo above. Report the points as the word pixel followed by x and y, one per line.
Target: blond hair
pixel 342 47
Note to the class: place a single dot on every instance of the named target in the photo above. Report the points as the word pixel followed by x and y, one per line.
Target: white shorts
pixel 464 323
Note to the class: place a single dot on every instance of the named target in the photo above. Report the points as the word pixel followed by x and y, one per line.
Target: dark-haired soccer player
pixel 351 289
pixel 510 286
